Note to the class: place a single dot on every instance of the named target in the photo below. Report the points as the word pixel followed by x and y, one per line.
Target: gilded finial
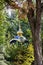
pixel 19 32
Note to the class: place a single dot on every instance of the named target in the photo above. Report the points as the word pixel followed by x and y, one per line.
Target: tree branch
pixel 30 15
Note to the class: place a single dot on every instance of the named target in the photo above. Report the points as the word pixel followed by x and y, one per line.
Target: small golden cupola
pixel 20 32
pixel 19 37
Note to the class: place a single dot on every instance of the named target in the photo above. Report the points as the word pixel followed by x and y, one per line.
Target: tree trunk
pixel 35 24
pixel 37 40
pixel 37 49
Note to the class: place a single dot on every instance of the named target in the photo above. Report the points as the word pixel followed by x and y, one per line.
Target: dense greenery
pixel 17 53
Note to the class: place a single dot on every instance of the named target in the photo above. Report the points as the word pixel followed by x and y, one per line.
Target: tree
pixel 35 23
pixel 35 28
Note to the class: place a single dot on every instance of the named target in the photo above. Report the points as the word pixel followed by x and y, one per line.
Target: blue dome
pixel 17 37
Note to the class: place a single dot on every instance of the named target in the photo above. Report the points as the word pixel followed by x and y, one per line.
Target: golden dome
pixel 20 32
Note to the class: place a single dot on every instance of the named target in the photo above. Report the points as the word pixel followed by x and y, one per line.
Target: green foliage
pixel 20 54
pixel 2 28
pixel 16 51
pixel 2 5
